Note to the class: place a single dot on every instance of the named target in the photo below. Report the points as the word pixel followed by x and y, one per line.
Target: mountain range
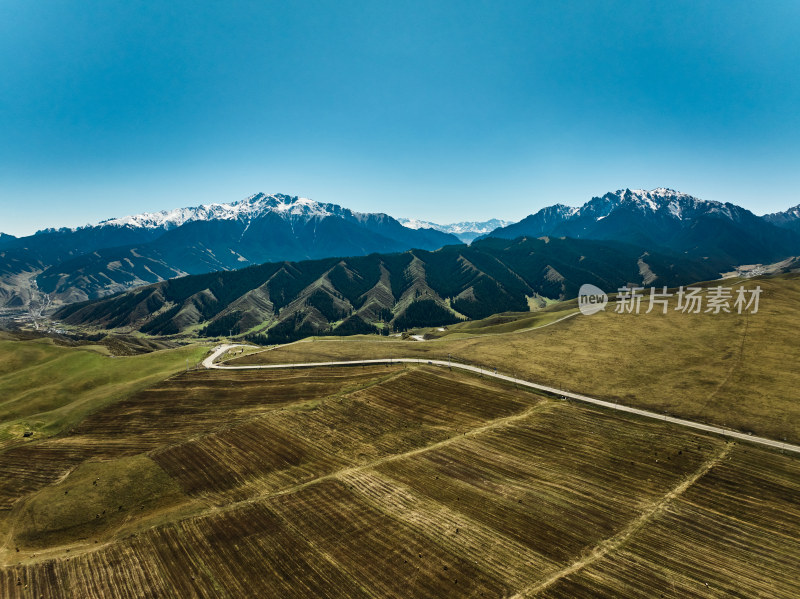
pixel 95 261
pixel 789 219
pixel 669 221
pixel 117 254
pixel 283 301
pixel 466 231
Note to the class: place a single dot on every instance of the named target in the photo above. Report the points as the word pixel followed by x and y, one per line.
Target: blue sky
pixel 438 110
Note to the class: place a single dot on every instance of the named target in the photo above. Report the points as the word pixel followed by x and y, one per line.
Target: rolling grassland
pixel 726 369
pixel 45 388
pixel 168 413
pixel 389 481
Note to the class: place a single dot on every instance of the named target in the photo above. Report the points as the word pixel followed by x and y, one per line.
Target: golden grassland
pixel 739 371
pixel 388 481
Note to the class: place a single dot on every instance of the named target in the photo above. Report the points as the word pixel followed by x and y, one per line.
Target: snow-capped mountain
pixel 52 246
pixel 255 206
pixel 118 253
pixel 680 206
pixel 789 219
pixel 664 219
pixel 466 231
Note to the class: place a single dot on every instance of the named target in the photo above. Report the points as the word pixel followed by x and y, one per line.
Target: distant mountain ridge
pixel 120 253
pixel 666 220
pixel 116 254
pixel 466 231
pixel 788 219
pixel 288 300
pixel 252 207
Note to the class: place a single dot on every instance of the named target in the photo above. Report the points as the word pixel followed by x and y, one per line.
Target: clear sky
pixel 444 111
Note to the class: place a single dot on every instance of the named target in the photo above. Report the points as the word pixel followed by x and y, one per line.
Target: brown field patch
pixel 412 409
pixel 735 533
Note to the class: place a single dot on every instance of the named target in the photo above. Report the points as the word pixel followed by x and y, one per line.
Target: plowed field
pixel 388 481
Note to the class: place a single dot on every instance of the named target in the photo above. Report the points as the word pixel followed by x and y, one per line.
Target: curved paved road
pixel 218 351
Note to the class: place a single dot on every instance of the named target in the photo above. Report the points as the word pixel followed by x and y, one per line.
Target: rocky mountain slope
pixel 667 220
pixel 287 300
pixel 788 219
pixel 114 255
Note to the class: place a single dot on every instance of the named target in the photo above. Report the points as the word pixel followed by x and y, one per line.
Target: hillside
pixel 46 388
pixel 727 369
pixel 387 481
pixel 286 301
pixel 421 481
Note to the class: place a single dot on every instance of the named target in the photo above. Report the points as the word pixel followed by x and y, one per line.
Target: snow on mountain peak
pixel 466 231
pixel 782 218
pixel 415 223
pixel 455 228
pixel 679 205
pixel 250 207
